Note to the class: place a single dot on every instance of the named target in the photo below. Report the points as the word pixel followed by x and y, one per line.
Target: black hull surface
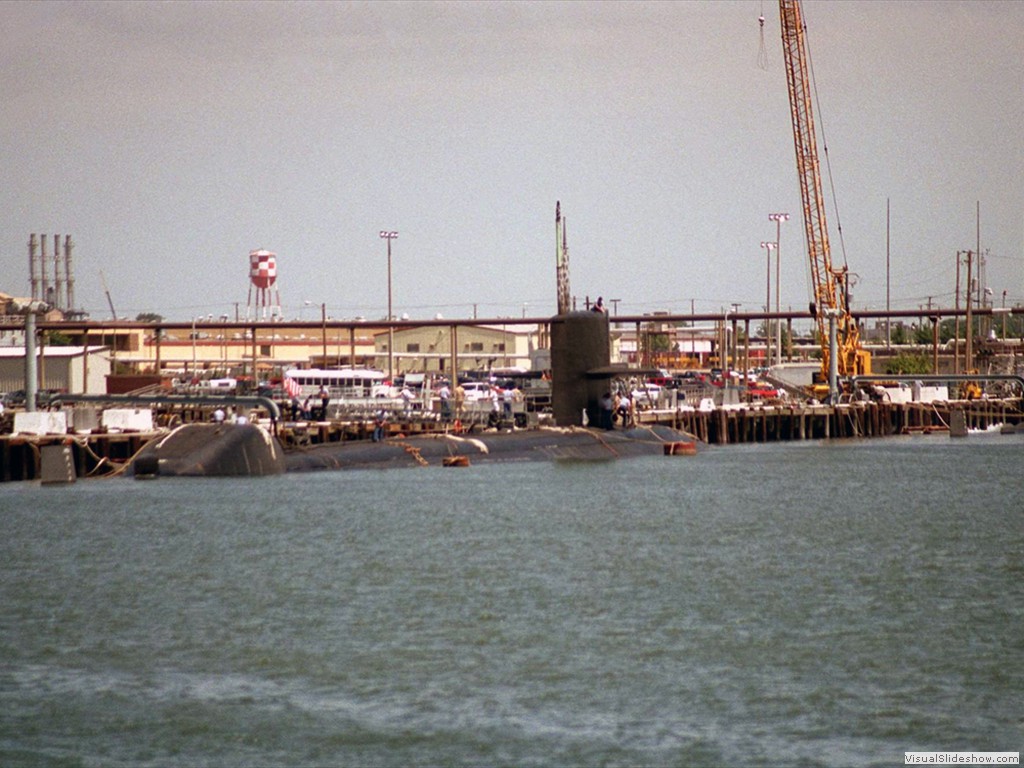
pixel 212 450
pixel 571 444
pixel 245 450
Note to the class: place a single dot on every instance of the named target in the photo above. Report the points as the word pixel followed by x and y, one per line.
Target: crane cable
pixel 762 53
pixel 824 146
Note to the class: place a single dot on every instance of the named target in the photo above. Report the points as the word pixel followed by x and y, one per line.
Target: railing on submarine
pixel 937 378
pixel 246 400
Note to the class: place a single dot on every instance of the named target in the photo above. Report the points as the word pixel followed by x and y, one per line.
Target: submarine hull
pixel 558 444
pixel 212 450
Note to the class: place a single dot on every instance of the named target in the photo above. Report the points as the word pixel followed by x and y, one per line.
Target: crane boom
pixel 831 295
pixel 110 301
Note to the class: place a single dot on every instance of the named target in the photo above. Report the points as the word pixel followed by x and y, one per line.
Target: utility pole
pixel 778 218
pixel 968 356
pixel 769 247
pixel 888 308
pixel 735 338
pixel 389 236
pixel 956 320
pixel 981 260
pixel 323 333
pixel 1004 315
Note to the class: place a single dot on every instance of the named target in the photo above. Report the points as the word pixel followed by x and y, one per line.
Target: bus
pixel 342 383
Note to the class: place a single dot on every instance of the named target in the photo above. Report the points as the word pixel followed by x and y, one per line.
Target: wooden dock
pixel 96 455
pixel 766 424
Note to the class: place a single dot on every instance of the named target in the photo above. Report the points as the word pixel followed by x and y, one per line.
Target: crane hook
pixel 762 54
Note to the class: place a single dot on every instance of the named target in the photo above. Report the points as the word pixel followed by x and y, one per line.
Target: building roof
pixel 490 329
pixel 69 351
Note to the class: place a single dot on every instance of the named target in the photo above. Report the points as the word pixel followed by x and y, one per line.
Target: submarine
pixel 581 374
pixel 237 450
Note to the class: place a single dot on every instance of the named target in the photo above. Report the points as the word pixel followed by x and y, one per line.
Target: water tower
pixel 263 277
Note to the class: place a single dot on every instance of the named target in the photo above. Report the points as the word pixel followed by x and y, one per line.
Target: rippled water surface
pixel 801 604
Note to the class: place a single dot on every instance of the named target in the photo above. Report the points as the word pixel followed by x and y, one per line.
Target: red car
pixel 762 391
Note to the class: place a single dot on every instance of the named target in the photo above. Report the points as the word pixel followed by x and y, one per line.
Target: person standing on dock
pixel 460 399
pixel 379 422
pixel 446 406
pixel 325 399
pixel 625 410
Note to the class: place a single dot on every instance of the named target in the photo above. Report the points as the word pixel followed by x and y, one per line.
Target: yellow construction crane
pixel 830 303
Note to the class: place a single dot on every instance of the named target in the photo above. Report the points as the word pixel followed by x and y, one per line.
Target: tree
pixel 659 342
pixel 149 317
pixel 57 339
pixel 909 364
pixel 923 333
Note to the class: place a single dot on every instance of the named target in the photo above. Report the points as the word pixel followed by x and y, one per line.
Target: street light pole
pixel 323 330
pixel 778 218
pixel 769 247
pixel 389 236
pixel 969 352
pixel 1004 316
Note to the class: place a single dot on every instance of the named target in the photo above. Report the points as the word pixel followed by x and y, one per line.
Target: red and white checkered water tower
pixel 263 277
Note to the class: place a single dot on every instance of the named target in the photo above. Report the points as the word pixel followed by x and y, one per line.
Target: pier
pixel 108 454
pixel 263 350
pixel 768 423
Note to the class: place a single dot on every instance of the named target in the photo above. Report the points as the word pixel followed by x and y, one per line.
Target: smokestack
pixel 33 254
pixel 44 255
pixel 69 279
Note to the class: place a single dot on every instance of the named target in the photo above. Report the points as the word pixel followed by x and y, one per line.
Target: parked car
pixel 689 378
pixel 645 394
pixel 477 390
pixel 762 391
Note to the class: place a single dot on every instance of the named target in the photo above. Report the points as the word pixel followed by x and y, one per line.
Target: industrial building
pixel 82 370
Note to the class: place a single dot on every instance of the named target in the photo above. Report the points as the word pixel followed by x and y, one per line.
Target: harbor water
pixel 802 604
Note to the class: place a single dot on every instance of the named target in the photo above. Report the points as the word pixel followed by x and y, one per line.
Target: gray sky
pixel 170 139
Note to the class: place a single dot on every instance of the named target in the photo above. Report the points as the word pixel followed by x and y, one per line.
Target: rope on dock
pixel 939 416
pixel 119 467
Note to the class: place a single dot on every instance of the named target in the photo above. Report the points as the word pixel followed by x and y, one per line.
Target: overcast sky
pixel 170 139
